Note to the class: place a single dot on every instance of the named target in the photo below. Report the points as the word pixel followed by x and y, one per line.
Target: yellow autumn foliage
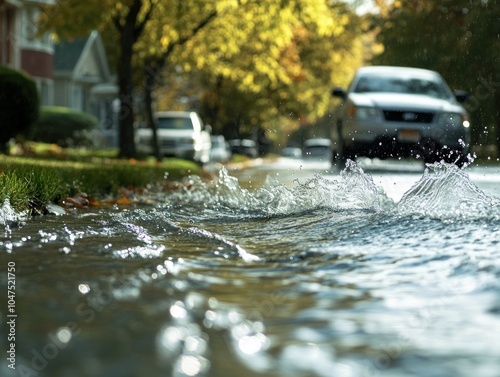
pixel 255 60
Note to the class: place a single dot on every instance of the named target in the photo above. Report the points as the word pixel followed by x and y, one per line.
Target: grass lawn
pixel 43 173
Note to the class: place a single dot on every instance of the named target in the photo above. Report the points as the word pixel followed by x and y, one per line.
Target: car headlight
pixel 455 119
pixel 363 112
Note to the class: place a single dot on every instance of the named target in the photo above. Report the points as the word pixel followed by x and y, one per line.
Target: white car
pixel 181 134
pixel 400 112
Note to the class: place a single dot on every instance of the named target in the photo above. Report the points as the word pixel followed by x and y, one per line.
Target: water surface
pixel 329 276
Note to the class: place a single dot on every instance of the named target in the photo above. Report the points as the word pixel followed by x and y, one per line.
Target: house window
pixel 29 24
pixel 30 29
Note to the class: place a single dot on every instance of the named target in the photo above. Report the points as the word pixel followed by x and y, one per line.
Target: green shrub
pixel 19 104
pixel 65 127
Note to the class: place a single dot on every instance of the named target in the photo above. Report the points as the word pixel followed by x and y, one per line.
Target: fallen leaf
pixel 78 201
pixel 123 201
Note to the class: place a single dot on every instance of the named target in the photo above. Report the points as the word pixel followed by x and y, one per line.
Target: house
pixel 82 81
pixel 73 73
pixel 21 49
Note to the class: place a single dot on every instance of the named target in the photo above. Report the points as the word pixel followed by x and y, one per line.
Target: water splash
pixel 8 216
pixel 445 191
pixel 353 191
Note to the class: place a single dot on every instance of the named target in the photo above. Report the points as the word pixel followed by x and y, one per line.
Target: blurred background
pixel 258 70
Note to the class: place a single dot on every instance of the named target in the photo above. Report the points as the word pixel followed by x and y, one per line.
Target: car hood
pixel 396 101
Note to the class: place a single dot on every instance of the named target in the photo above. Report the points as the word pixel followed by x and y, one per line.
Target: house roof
pixel 82 57
pixel 67 53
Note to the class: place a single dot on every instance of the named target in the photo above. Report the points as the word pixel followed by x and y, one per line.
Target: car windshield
pixel 408 85
pixel 175 123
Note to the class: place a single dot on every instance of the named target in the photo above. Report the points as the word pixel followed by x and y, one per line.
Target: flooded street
pixel 285 270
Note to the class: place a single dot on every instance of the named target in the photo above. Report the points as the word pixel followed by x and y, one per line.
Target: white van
pixel 181 134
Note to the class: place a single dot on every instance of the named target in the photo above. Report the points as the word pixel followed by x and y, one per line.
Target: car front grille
pixel 408 116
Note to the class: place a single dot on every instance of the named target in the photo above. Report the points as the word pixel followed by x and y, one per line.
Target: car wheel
pixel 343 152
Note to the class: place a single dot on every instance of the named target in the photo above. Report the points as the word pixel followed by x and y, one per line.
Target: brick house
pixel 73 73
pixel 21 49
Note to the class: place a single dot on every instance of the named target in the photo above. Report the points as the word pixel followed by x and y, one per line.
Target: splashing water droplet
pixel 84 289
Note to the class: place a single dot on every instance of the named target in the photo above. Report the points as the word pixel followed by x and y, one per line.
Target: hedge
pixel 65 127
pixel 19 104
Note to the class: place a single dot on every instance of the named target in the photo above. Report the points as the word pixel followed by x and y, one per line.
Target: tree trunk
pixel 128 34
pixel 151 78
pixel 214 104
pixel 126 128
pixel 149 85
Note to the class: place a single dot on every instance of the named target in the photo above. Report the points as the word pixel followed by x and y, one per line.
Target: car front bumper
pixel 405 135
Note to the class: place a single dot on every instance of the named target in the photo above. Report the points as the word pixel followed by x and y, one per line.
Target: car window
pixel 175 123
pixel 387 84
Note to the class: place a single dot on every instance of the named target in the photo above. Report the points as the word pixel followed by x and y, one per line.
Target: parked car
pixel 220 152
pixel 244 147
pixel 318 149
pixel 400 112
pixel 293 152
pixel 180 134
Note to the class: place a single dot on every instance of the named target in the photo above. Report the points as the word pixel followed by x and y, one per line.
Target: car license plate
pixel 409 136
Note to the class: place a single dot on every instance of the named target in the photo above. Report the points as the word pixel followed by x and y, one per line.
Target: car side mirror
pixel 339 92
pixel 461 95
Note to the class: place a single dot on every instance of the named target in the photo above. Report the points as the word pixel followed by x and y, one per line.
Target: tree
pixel 129 28
pixel 177 24
pixel 258 62
pixel 261 64
pixel 73 18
